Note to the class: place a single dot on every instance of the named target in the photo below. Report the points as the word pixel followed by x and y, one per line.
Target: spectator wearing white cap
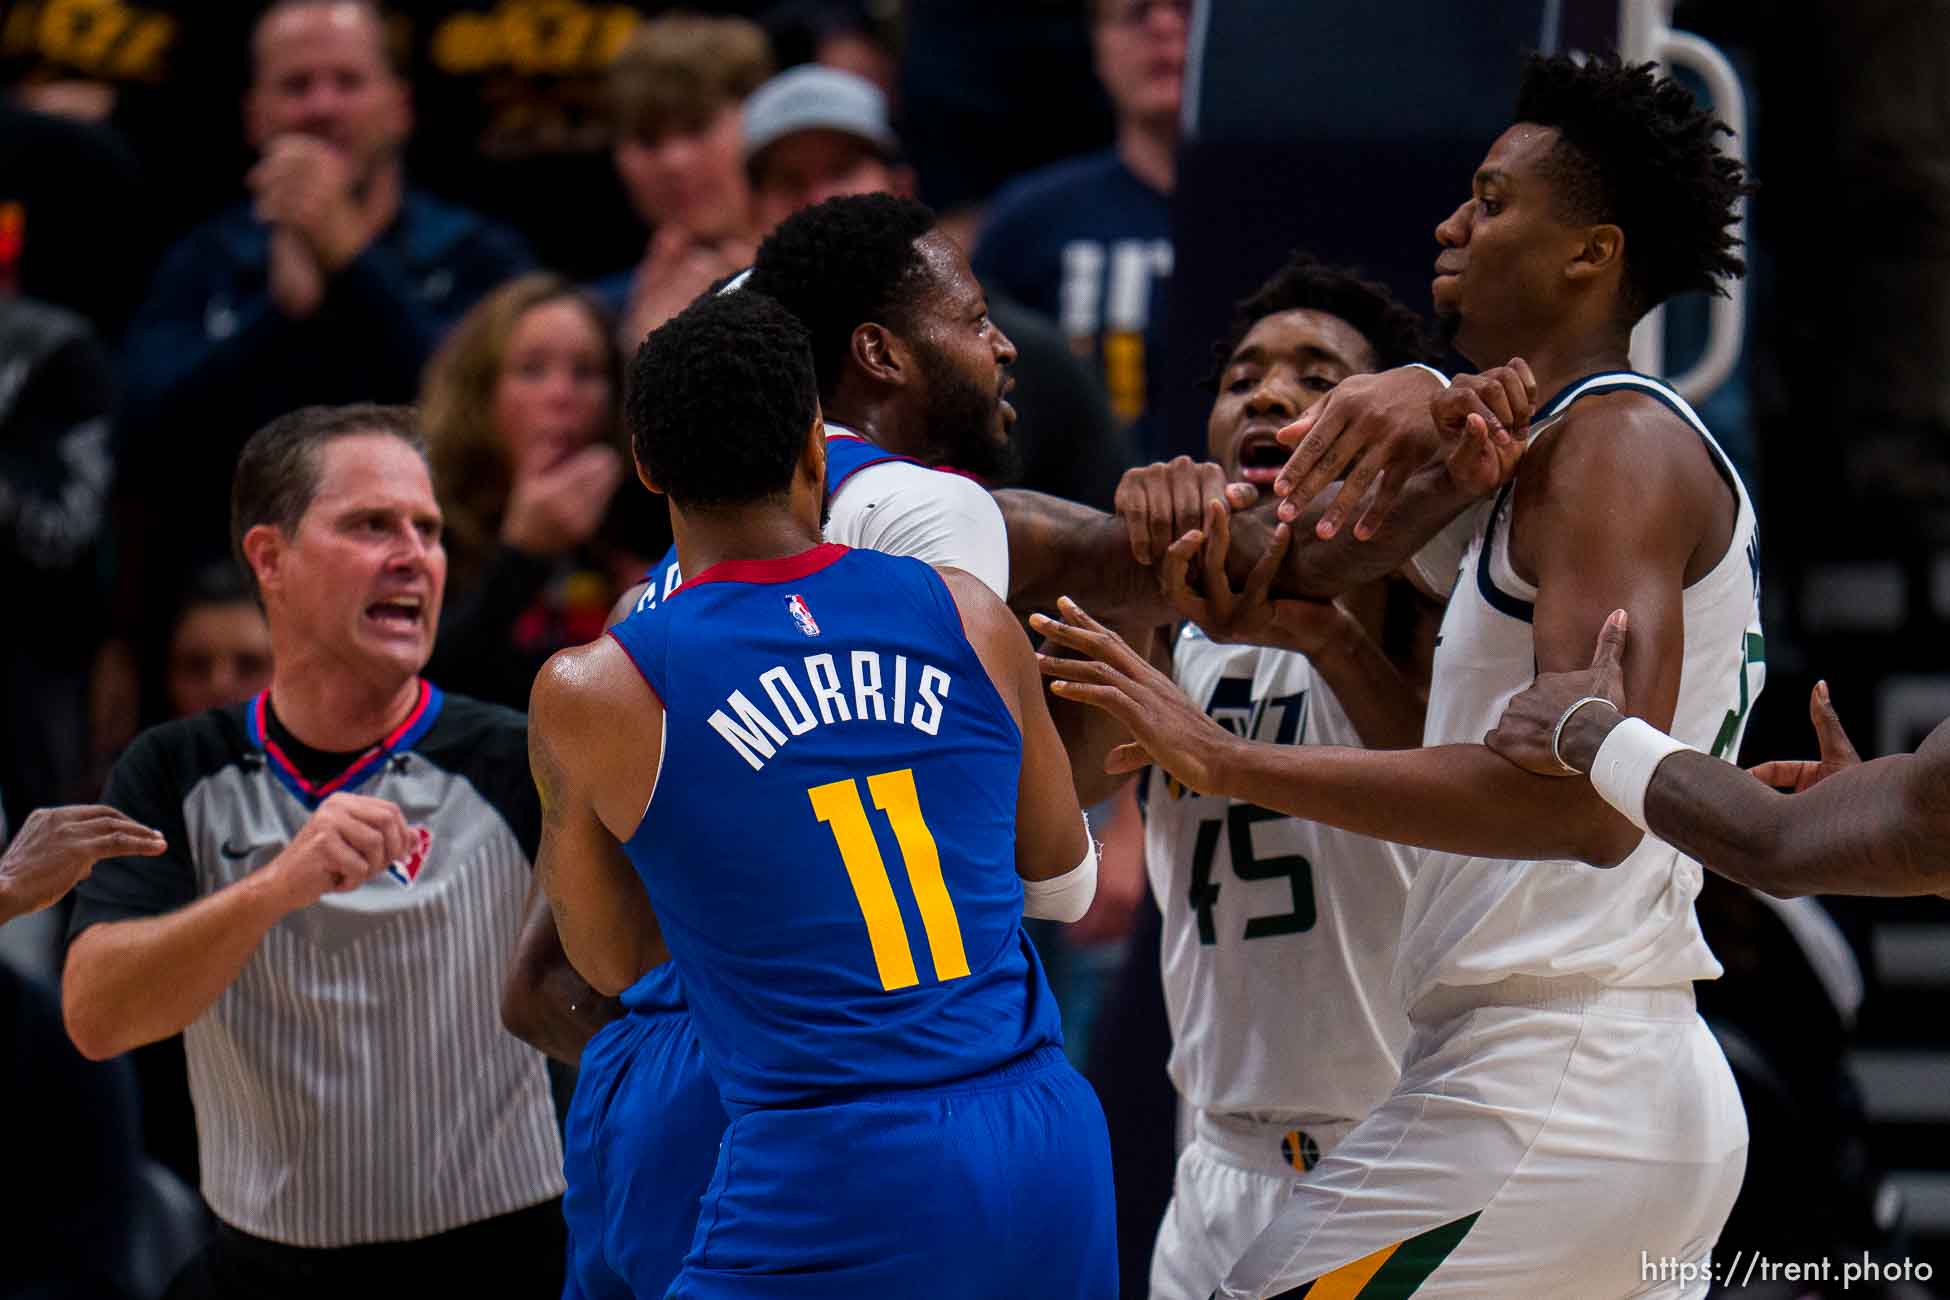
pixel 816 133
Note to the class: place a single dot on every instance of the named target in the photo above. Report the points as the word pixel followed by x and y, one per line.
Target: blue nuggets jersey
pixel 847 453
pixel 830 846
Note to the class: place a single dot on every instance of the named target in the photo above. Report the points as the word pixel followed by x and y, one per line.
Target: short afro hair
pixel 842 263
pixel 721 398
pixel 1397 335
pixel 1634 150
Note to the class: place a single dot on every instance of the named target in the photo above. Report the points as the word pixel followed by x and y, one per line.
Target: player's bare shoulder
pixel 595 726
pixel 1623 453
pixel 582 691
pixel 983 614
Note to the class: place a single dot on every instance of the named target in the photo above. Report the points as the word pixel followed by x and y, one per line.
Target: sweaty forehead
pixel 1521 150
pixel 1307 336
pixel 951 285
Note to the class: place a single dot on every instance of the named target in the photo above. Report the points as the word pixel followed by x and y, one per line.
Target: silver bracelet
pixel 1557 732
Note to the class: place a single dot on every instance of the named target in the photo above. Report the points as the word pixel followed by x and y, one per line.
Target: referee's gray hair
pixel 277 471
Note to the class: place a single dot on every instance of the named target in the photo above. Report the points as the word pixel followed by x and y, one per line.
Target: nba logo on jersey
pixel 406 869
pixel 801 615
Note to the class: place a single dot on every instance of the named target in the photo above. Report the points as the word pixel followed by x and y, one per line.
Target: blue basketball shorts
pixel 639 1147
pixel 990 1187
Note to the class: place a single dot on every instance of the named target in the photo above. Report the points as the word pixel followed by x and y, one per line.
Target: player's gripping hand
pixel 1251 616
pixel 57 848
pixel 1161 502
pixel 1837 751
pixel 348 841
pixel 1168 731
pixel 1482 424
pixel 1371 432
pixel 1529 725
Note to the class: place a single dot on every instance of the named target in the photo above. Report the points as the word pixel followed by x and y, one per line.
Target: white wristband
pixel 1416 365
pixel 1066 897
pixel 1623 767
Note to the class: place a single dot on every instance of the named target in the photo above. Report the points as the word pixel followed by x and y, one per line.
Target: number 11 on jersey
pixel 838 804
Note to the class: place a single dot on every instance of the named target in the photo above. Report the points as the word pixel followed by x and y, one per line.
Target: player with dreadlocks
pixel 1565 1124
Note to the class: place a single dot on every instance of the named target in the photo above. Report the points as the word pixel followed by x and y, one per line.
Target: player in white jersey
pixel 1565 1124
pixel 1278 934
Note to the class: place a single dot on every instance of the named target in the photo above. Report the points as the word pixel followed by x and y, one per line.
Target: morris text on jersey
pixel 851 686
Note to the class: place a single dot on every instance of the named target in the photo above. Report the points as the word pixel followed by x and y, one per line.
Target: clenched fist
pixel 348 841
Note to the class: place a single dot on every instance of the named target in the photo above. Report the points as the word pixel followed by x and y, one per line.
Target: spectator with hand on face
pixel 677 91
pixel 521 412
pixel 334 282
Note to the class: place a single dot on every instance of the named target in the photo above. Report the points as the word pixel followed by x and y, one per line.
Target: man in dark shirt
pixel 1087 242
pixel 329 928
pixel 333 284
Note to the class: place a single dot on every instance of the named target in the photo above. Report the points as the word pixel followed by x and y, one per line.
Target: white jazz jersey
pixel 1279 934
pixel 1478 920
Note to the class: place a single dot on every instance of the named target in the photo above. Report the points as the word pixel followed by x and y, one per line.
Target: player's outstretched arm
pixel 1107 561
pixel 1455 798
pixel 57 847
pixel 1851 827
pixel 1606 538
pixel 592 723
pixel 1385 707
pixel 1369 440
pixel 1052 841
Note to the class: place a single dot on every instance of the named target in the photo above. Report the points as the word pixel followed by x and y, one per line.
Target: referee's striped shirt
pixel 355 1083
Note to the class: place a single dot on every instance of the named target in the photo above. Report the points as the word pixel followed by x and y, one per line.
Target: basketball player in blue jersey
pixel 824 781
pixel 923 390
pixel 1562 1111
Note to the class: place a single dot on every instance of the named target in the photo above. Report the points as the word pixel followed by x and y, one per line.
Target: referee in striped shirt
pixel 348 857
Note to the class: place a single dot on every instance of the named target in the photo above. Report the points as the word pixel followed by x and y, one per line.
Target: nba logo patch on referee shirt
pixel 406 869
pixel 796 606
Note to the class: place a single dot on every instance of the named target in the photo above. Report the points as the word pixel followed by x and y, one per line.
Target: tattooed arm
pixel 591 723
